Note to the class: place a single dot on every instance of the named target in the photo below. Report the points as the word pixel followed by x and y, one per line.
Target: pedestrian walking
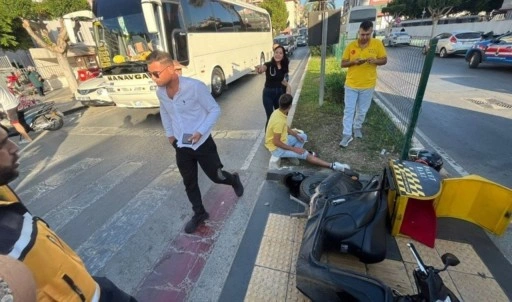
pixel 36 79
pixel 59 273
pixel 188 113
pixel 362 57
pixel 9 104
pixel 276 83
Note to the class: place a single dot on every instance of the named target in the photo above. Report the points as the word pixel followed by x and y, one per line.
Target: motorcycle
pixel 39 117
pixel 349 216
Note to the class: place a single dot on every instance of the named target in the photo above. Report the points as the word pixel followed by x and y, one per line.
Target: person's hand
pixel 298 150
pixel 372 61
pixel 258 68
pixel 360 61
pixel 195 137
pixel 173 141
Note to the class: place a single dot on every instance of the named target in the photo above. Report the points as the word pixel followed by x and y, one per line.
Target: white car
pixel 456 42
pixel 93 93
pixel 397 38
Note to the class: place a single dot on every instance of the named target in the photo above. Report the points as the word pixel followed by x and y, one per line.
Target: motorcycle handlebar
pixel 416 255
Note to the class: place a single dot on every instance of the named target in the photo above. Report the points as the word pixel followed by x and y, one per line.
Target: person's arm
pixel 261 68
pixel 276 140
pixel 382 58
pixel 288 86
pixel 207 101
pixel 166 123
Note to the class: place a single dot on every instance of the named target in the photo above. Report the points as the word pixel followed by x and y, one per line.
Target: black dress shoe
pixel 195 221
pixel 237 186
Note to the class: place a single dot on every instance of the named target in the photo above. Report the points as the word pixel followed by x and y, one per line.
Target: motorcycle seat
pixel 348 214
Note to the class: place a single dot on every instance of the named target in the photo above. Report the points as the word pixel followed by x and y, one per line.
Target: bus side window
pixel 240 23
pixel 223 18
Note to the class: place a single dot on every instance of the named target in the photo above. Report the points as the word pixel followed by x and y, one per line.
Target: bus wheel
pixel 217 81
pixel 474 60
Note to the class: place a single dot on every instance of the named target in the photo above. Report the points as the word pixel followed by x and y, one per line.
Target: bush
pixel 334 86
pixel 316 51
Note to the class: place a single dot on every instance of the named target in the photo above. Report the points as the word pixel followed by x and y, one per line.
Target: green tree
pixel 278 14
pixel 32 16
pixel 392 11
pixel 475 7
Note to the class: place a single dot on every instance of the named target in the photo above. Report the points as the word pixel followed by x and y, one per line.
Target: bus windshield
pixel 121 34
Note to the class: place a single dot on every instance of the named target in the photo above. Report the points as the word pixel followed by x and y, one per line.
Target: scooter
pixel 349 216
pixel 39 117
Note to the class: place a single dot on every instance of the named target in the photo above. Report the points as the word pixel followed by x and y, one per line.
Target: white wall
pixel 498 27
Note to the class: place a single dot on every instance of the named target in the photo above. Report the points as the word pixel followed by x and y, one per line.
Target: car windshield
pixel 281 41
pixel 470 35
pixel 402 34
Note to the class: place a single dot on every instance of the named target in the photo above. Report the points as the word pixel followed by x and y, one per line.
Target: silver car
pixel 456 42
pixel 397 38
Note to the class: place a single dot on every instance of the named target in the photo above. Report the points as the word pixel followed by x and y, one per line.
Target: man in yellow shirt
pixel 362 57
pixel 284 142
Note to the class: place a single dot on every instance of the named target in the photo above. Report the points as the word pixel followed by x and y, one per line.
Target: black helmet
pixel 292 181
pixel 429 158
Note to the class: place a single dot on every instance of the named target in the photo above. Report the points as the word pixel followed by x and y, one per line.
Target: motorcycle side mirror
pixel 449 259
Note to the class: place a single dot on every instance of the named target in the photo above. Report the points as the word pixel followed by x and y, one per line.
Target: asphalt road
pixel 108 184
pixel 458 117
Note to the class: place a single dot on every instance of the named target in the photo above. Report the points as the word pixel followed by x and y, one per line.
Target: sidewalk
pixel 64 100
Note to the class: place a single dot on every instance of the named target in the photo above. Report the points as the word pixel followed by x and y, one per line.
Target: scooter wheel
pixel 309 184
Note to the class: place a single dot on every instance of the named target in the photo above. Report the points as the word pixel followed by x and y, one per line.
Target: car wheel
pixel 474 60
pixel 424 50
pixel 443 53
pixel 218 81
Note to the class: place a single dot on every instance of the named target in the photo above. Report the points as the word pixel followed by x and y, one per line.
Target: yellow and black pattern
pixel 415 179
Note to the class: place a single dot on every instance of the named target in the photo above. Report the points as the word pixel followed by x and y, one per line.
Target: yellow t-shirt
pixel 276 124
pixel 363 76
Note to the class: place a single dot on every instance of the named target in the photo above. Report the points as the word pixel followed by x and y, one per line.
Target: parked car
pixel 93 93
pixel 498 50
pixel 287 42
pixel 397 38
pixel 302 41
pixel 456 42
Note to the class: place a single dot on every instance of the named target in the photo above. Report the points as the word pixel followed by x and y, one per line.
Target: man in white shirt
pixel 188 113
pixel 9 104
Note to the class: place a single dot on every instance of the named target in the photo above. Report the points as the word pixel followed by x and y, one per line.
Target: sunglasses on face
pixel 156 74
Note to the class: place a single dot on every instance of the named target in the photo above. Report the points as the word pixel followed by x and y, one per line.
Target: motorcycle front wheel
pixel 53 122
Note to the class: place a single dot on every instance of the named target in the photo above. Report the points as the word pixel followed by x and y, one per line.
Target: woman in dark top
pixel 276 83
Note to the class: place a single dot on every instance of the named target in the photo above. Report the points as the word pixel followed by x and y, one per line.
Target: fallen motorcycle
pixel 349 216
pixel 39 117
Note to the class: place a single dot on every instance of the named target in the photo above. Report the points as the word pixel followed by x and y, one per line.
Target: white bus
pixel 218 41
pixel 351 20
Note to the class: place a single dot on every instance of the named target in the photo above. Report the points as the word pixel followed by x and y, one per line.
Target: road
pixel 457 116
pixel 108 184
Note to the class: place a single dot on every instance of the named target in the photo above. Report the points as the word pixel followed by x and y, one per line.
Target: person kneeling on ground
pixel 284 142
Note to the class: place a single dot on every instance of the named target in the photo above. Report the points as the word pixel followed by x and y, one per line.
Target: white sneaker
pixel 346 140
pixel 336 166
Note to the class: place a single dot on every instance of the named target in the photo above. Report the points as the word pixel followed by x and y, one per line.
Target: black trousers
pixel 110 292
pixel 208 158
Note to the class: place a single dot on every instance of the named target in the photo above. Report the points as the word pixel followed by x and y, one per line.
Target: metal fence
pixel 401 82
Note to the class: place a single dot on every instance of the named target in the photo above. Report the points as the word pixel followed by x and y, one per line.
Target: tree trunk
pixel 62 59
pixel 434 25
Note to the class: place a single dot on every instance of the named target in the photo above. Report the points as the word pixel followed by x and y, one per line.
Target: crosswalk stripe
pixel 58 217
pixel 116 131
pixel 113 235
pixel 58 179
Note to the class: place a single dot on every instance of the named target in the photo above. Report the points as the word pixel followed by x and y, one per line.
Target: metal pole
pixel 324 53
pixel 420 93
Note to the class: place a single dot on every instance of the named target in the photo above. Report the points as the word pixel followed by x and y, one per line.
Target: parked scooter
pixel 39 117
pixel 349 216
